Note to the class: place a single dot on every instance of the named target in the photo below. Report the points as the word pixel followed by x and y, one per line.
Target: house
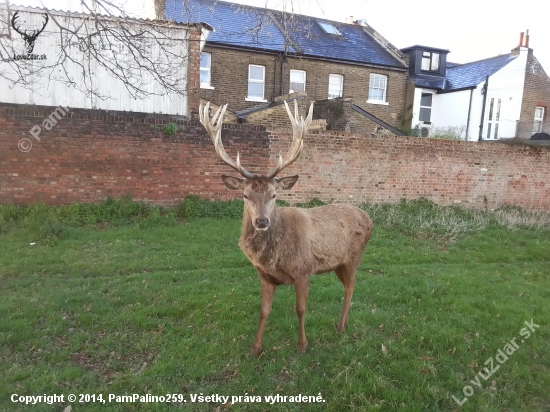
pixel 44 66
pixel 257 57
pixel 499 97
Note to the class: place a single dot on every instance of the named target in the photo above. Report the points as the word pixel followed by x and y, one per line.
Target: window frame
pixel 256 81
pixel 206 85
pixel 329 28
pixel 542 111
pixel 430 60
pixel 370 99
pixel 420 106
pixel 290 91
pixel 341 85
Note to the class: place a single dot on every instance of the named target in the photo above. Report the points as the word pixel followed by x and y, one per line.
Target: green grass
pixel 123 298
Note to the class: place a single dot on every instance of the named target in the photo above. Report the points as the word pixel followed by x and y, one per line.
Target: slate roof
pixel 471 74
pixel 234 24
pixel 252 27
pixel 463 76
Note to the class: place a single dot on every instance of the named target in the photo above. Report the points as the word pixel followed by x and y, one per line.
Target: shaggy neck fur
pixel 262 243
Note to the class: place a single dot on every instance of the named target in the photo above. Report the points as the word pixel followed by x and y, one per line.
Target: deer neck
pixel 260 244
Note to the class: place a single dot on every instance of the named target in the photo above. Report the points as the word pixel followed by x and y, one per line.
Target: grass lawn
pixel 173 308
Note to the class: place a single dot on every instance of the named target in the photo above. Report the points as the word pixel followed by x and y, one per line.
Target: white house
pixel 481 100
pixel 31 46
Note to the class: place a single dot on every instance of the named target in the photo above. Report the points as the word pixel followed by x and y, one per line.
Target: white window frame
pixel 207 85
pixel 372 78
pixel 262 82
pixel 426 107
pixel 335 83
pixel 290 90
pixel 539 119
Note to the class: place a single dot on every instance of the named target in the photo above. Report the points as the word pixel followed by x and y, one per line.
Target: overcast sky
pixel 470 29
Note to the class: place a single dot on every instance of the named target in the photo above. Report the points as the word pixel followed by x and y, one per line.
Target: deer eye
pixel 273 197
pixel 245 196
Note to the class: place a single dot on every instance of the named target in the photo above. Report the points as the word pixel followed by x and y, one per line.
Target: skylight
pixel 329 28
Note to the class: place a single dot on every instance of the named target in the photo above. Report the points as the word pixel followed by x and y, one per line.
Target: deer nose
pixel 262 223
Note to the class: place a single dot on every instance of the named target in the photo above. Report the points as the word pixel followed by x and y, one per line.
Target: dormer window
pixel 329 28
pixel 430 61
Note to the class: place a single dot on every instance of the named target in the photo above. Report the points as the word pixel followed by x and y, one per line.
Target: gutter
pixel 469 113
pixel 455 90
pixel 274 52
pixel 377 120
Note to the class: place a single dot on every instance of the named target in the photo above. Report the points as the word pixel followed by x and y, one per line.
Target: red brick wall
pixel 93 155
pixel 536 91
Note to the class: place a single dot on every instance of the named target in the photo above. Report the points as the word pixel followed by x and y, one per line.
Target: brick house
pixel 499 97
pixel 257 57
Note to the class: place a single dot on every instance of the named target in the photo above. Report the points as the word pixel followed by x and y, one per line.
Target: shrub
pixel 194 206
pixel 170 129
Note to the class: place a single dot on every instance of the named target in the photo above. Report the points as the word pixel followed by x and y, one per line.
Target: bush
pixel 194 206
pixel 170 129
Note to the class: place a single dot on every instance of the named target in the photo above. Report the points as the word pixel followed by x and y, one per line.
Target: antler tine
pixel 214 128
pixel 299 129
pixel 14 20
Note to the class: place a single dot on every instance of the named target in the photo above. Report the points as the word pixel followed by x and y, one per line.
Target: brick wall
pixel 92 155
pixel 536 91
pixel 229 75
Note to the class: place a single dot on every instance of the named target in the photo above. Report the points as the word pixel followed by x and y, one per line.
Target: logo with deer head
pixel 28 35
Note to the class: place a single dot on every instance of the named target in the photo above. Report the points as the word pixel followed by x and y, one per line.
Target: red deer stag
pixel 287 245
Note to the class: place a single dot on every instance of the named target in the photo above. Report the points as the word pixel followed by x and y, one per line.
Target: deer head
pixel 259 192
pixel 28 36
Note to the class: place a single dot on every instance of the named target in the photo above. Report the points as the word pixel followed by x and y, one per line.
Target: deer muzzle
pixel 261 223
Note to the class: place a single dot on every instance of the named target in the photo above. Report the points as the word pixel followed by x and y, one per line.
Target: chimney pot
pixel 521 39
pixel 527 38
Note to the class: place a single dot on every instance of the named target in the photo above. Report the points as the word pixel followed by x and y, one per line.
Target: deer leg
pixel 302 289
pixel 347 277
pixel 268 292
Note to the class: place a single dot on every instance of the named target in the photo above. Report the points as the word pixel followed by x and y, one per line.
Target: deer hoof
pixel 302 348
pixel 340 328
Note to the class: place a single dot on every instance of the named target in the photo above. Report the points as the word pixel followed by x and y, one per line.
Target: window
pixel 426 108
pixel 335 85
pixel 539 118
pixel 256 82
pixel 206 63
pixel 297 81
pixel 493 118
pixel 430 61
pixel 329 28
pixel 377 88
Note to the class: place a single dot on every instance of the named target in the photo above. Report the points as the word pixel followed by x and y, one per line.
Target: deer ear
pixel 286 183
pixel 233 183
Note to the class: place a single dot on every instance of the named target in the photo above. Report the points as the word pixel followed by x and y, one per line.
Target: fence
pixel 527 129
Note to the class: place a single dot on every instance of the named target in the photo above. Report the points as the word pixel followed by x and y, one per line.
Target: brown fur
pixel 297 244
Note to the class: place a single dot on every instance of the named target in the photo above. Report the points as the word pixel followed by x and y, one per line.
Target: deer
pixel 287 245
pixel 28 36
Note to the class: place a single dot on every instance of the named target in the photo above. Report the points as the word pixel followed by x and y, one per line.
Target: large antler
pixel 214 129
pixel 299 129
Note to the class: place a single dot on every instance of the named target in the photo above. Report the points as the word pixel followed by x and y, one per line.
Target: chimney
pixel 521 39
pixel 527 38
pixel 160 9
